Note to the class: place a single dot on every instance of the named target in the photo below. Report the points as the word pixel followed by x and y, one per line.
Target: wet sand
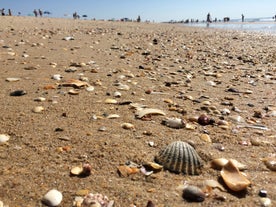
pixel 183 71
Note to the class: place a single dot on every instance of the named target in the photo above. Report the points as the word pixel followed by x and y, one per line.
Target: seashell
pixel 214 184
pixel 232 177
pixel 90 88
pixel 237 119
pixel 4 138
pixel 117 94
pixel 205 120
pixel 74 83
pixel 84 170
pixel 57 77
pixel 147 111
pixel 113 116
pixel 38 109
pixel 193 194
pixel 40 99
pixel 265 202
pixel 73 92
pixel 175 123
pixel 152 166
pixel 52 198
pixel 219 163
pixel 127 126
pixel 180 157
pixel 206 138
pixel 76 170
pixel 111 101
pixel 270 163
pixel 12 79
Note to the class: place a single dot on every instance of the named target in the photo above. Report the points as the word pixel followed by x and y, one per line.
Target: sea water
pixel 263 25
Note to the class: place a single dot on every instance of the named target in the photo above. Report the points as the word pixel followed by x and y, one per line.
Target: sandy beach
pixel 71 91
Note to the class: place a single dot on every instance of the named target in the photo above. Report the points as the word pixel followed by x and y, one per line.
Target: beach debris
pixel 52 198
pixel 175 123
pixel 126 170
pixel 110 101
pixel 12 79
pixel 40 99
pixel 180 157
pixel 73 92
pixel 233 178
pixel 68 38
pixel 214 184
pixel 81 171
pixel 205 120
pixel 193 193
pixel 18 93
pixel 141 112
pixel 270 163
pixel 262 127
pixel 90 88
pixel 113 116
pixel 96 200
pixel 4 138
pixel 127 126
pixel 74 83
pixel 152 166
pixel 265 202
pixel 263 193
pixel 38 109
pixel 219 163
pixel 57 77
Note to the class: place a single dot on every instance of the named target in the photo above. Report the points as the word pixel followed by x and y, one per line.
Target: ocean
pixel 263 25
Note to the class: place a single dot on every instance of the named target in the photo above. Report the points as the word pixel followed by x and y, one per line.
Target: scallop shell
pixel 180 157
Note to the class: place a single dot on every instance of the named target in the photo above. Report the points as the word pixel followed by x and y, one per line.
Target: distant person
pixel 3 12
pixel 242 18
pixel 10 13
pixel 208 18
pixel 35 13
pixel 139 19
pixel 40 12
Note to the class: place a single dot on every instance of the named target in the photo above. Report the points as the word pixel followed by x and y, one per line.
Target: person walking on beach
pixel 209 18
pixel 242 18
pixel 40 12
pixel 3 12
pixel 35 13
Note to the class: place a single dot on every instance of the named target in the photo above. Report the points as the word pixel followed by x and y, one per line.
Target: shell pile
pixel 180 157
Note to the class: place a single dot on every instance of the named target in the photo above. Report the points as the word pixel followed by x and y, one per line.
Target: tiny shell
pixel 90 88
pixel 193 194
pixel 237 119
pixel 73 92
pixel 4 138
pixel 111 101
pixel 219 163
pixel 214 184
pixel 117 94
pixel 38 109
pixel 12 79
pixel 127 126
pixel 180 157
pixel 232 177
pixel 206 138
pixel 52 198
pixel 270 163
pixel 143 112
pixel 40 99
pixel 76 170
pixel 152 166
pixel 175 123
pixel 113 116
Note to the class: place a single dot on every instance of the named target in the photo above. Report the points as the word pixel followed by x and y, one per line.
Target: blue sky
pixel 157 10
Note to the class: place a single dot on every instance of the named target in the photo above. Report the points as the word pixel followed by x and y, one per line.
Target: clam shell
pixel 233 178
pixel 52 198
pixel 143 112
pixel 180 157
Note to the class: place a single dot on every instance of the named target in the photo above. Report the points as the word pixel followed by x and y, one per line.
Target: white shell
pixel 4 138
pixel 52 198
pixel 175 123
pixel 143 112
pixel 38 109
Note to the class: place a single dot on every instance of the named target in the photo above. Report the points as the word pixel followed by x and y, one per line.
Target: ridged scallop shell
pixel 180 157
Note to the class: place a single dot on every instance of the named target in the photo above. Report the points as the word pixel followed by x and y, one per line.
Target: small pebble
pixel 263 193
pixel 18 93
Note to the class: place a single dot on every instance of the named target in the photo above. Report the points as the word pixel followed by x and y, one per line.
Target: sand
pixel 183 71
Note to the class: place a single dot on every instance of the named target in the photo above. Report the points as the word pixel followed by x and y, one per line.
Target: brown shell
pixel 180 157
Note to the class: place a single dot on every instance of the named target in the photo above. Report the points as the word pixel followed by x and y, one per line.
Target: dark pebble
pixel 263 193
pixel 18 93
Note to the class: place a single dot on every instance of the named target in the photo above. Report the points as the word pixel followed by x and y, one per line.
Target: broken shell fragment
pixel 83 171
pixel 4 138
pixel 219 163
pixel 148 111
pixel 38 109
pixel 193 194
pixel 232 177
pixel 180 157
pixel 127 126
pixel 111 101
pixel 270 163
pixel 175 123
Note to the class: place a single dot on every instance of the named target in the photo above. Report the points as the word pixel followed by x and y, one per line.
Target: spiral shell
pixel 180 157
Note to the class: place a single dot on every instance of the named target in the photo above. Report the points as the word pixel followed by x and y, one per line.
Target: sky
pixel 152 10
